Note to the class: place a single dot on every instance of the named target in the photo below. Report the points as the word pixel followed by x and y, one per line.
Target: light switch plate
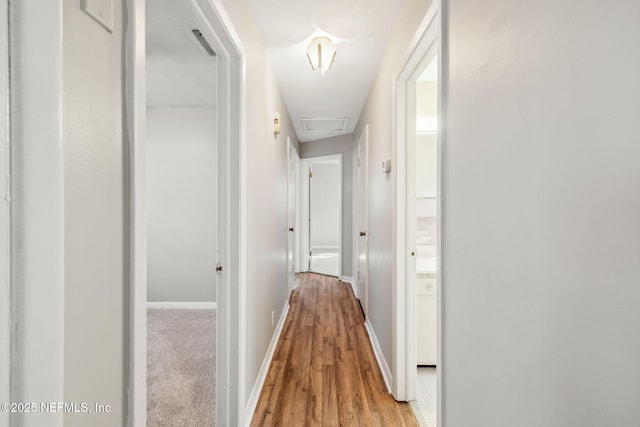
pixel 101 11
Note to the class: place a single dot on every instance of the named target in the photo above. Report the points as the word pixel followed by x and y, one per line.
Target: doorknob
pixel 363 233
pixel 291 229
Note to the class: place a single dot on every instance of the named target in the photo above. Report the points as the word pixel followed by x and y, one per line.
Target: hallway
pixel 324 371
pixel 156 153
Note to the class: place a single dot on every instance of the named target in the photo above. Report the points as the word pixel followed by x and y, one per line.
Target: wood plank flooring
pixel 324 372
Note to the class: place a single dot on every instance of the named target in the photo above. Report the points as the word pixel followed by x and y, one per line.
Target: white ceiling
pixel 359 28
pixel 179 70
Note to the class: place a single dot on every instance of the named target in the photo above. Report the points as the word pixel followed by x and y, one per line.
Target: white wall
pixel 95 336
pixel 182 203
pixel 426 143
pixel 5 218
pixel 37 208
pixel 339 145
pixel 427 97
pixel 377 114
pixel 325 205
pixel 427 165
pixel 542 214
pixel 267 194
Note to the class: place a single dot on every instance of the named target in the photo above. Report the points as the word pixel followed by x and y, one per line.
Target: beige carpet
pixel 181 375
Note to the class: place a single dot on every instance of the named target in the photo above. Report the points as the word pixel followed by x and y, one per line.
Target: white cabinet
pixel 426 318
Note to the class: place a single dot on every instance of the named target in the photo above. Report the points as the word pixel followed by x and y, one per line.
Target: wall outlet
pixel 273 318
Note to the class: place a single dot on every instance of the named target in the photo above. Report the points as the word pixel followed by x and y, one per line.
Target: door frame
pixel 292 187
pixel 230 107
pixel 33 140
pixel 305 164
pixel 429 33
pixel 299 265
pixel 411 169
pixel 364 136
pixel 5 217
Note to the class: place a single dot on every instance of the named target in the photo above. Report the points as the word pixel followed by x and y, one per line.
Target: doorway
pixel 362 220
pixel 422 234
pixel 182 215
pixel 208 33
pixel 323 212
pixel 292 176
pixel 418 284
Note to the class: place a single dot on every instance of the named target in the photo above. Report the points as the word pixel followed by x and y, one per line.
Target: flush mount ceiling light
pixel 321 53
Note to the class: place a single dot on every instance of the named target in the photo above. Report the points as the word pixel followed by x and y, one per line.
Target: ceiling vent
pixel 205 44
pixel 325 124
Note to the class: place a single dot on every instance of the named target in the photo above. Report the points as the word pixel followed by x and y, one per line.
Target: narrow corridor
pixel 324 371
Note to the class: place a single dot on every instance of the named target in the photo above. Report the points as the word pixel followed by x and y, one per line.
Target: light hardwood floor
pixel 324 372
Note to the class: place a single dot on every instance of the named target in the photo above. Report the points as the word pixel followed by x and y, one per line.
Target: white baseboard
pixel 382 362
pixel 264 369
pixel 353 284
pixel 182 304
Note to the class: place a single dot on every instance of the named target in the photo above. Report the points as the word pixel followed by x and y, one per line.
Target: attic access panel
pixel 325 124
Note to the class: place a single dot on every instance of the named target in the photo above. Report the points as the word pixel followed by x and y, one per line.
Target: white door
pixel 325 215
pixel 291 216
pixel 362 220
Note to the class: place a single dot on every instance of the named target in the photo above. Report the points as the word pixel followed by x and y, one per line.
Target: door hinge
pixel 219 268
pixel 310 174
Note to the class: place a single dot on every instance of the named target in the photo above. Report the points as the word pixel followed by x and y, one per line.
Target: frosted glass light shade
pixel 321 54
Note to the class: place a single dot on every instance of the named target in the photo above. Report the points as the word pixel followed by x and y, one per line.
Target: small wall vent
pixel 205 44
